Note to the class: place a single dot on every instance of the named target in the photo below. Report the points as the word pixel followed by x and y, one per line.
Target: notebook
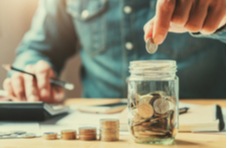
pixel 202 118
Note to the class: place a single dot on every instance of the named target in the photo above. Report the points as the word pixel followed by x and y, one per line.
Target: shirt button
pixel 129 46
pixel 127 9
pixel 85 14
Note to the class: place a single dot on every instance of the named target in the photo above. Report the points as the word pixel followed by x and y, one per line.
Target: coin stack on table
pixel 109 129
pixel 50 136
pixel 68 134
pixel 87 133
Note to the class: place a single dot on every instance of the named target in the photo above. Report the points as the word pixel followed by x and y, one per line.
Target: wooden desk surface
pixel 183 140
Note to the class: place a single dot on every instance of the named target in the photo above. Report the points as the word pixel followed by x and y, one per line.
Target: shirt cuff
pixel 220 34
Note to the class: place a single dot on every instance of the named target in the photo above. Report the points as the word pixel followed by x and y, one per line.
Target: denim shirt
pixel 108 34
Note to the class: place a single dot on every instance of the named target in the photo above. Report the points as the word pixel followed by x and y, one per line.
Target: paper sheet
pixel 20 126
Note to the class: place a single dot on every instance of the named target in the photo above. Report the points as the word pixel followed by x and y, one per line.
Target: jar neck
pixel 153 70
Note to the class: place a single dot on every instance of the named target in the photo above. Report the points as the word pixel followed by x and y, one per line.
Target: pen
pixel 65 85
pixel 183 110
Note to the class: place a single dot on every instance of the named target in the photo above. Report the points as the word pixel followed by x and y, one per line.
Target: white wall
pixel 15 19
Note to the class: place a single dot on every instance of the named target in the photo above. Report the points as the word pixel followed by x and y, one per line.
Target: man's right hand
pixel 179 16
pixel 23 87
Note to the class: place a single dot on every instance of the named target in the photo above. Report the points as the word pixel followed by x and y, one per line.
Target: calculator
pixel 27 111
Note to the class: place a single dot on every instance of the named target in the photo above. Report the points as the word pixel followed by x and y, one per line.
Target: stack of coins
pixel 50 136
pixel 68 134
pixel 109 130
pixel 87 133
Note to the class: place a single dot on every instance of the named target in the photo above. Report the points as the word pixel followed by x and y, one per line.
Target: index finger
pixel 43 76
pixel 164 12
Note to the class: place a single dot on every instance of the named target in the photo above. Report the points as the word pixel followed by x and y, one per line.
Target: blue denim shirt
pixel 108 34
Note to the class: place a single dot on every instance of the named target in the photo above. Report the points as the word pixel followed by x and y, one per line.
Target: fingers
pixel 43 74
pixel 7 86
pixel 205 16
pixel 31 89
pixel 25 87
pixel 181 12
pixel 17 84
pixel 148 30
pixel 57 93
pixel 164 12
pixel 215 16
pixel 197 16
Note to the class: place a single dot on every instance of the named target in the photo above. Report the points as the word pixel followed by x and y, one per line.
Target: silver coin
pixel 5 133
pixel 19 132
pixel 151 47
pixel 27 135
pixel 161 106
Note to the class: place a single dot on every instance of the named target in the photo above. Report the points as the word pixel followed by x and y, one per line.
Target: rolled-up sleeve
pixel 52 37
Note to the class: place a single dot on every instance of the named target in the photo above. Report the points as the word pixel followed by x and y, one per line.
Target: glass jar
pixel 153 101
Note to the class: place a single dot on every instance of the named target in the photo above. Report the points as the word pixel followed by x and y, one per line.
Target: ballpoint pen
pixel 53 81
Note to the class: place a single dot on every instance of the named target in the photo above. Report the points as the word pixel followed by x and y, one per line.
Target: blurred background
pixel 15 20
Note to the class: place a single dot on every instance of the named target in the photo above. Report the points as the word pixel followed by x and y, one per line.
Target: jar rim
pixel 153 61
pixel 153 69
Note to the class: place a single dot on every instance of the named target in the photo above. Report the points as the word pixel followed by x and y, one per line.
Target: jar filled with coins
pixel 153 101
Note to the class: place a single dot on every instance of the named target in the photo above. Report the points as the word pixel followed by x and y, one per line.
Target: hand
pixel 204 16
pixel 23 87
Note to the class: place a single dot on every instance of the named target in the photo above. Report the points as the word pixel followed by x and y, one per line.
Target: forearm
pixel 51 38
pixel 30 57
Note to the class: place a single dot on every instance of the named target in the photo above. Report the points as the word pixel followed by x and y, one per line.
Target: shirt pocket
pixel 89 22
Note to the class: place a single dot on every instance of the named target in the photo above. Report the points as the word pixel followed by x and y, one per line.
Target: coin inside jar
pixel 161 106
pixel 145 110
pixel 150 46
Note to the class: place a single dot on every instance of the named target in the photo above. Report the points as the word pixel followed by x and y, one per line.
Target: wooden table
pixel 183 140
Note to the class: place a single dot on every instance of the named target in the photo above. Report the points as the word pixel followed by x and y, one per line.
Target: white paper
pixel 20 126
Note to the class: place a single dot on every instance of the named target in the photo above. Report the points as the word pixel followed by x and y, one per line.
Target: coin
pixel 19 132
pixel 146 98
pixel 150 46
pixel 109 139
pixel 137 119
pixel 109 129
pixel 145 110
pixel 50 135
pixel 87 137
pixel 5 133
pixel 28 135
pixel 109 136
pixel 87 133
pixel 87 130
pixel 140 128
pixel 161 106
pixel 109 123
pixel 68 134
pixel 109 132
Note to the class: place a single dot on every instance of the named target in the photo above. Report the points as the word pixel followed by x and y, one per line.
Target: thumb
pixel 148 30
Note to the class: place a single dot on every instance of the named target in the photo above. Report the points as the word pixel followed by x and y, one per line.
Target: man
pixel 108 34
